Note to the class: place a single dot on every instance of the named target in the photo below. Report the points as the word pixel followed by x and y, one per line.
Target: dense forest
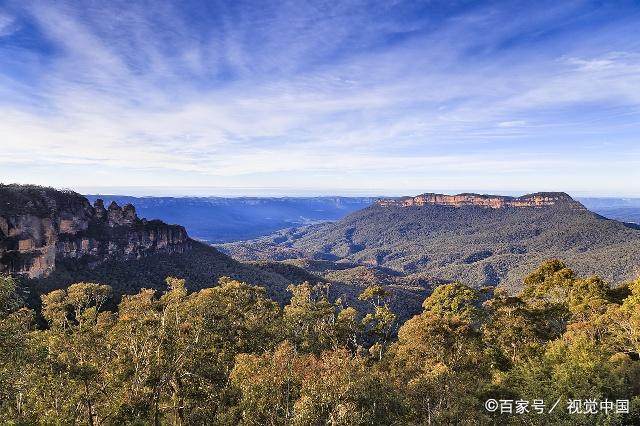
pixel 563 351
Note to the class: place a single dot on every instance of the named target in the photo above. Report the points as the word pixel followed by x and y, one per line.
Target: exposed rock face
pixel 537 200
pixel 40 227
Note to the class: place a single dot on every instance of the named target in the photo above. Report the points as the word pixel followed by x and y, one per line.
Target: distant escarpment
pixel 42 227
pixel 539 199
pixel 480 240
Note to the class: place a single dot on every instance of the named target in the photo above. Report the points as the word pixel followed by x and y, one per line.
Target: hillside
pixel 201 266
pixel 477 239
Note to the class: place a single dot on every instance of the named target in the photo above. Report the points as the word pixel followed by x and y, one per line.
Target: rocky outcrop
pixel 537 200
pixel 41 227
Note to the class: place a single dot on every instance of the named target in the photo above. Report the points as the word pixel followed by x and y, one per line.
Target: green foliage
pixel 575 369
pixel 375 294
pixel 269 384
pixel 380 324
pixel 229 355
pixel 513 331
pixel 15 323
pixel 342 389
pixel 310 318
pixel 8 298
pixel 336 387
pixel 201 267
pixel 455 300
pixel 439 363
pixel 549 283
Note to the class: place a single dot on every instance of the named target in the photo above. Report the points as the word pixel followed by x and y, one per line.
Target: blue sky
pixel 321 97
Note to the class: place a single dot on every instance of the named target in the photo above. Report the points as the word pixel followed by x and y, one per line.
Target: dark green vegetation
pixel 201 266
pixel 475 245
pixel 217 219
pixel 228 355
pixel 37 200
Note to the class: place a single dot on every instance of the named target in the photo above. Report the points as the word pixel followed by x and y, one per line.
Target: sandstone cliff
pixel 537 200
pixel 41 227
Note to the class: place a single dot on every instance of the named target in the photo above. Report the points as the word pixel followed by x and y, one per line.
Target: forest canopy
pixel 230 355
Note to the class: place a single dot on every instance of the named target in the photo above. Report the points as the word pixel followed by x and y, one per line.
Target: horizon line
pixel 204 191
pixel 302 192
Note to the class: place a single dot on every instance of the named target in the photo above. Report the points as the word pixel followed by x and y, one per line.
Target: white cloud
pixel 132 94
pixel 514 123
pixel 8 24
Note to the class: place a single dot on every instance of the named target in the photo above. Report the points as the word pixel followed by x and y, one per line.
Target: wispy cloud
pixel 325 93
pixel 7 24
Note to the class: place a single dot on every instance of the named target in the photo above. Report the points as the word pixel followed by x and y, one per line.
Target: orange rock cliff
pixel 537 200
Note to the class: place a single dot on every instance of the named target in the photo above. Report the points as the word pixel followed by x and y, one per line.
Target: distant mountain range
pixel 477 239
pixel 221 220
pixel 622 209
pixel 217 220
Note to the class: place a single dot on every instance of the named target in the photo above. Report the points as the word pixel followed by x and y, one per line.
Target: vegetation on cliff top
pixel 38 200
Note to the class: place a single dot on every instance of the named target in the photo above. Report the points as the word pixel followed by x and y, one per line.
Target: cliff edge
pixel 40 227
